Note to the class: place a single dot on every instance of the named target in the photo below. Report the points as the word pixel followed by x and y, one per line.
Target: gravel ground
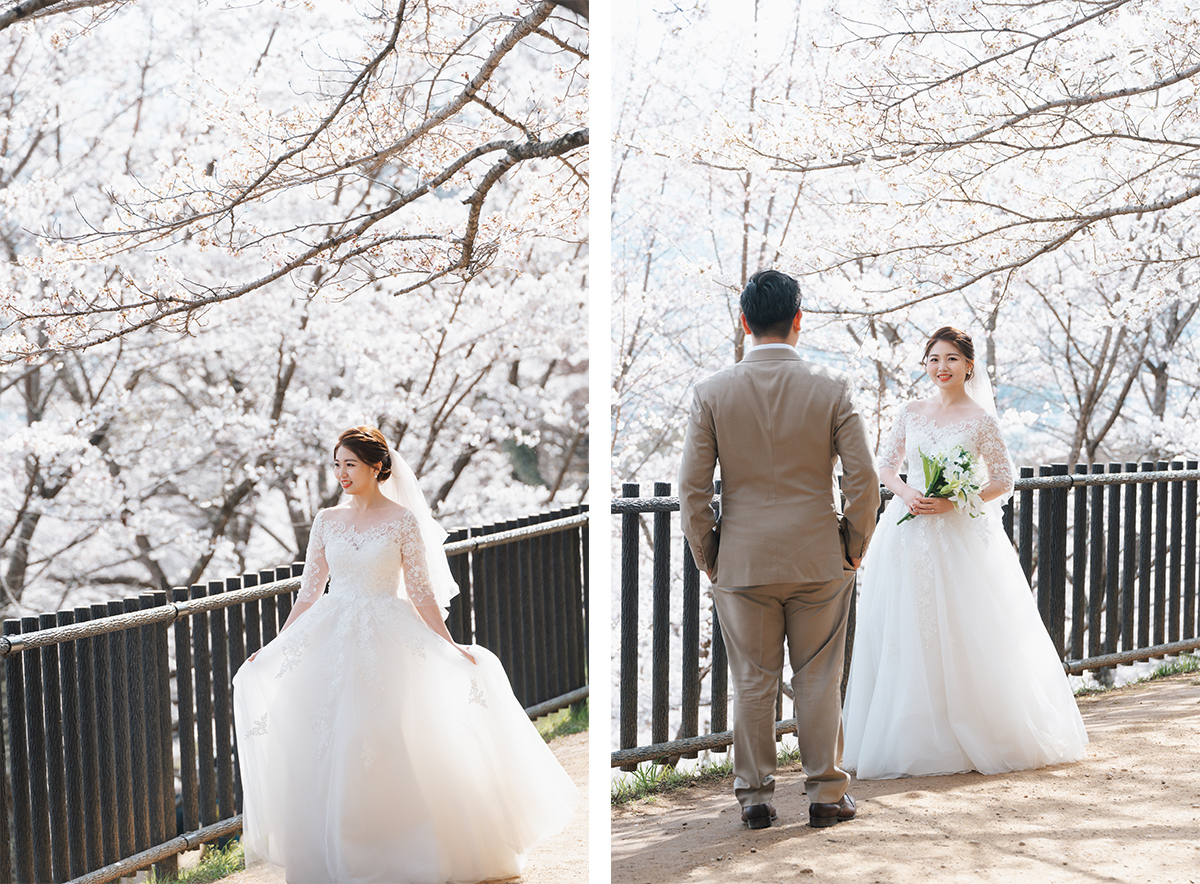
pixel 1128 812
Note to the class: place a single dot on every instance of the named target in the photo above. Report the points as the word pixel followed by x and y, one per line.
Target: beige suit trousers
pixel 754 623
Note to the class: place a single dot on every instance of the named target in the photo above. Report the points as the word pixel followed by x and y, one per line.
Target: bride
pixel 372 747
pixel 952 669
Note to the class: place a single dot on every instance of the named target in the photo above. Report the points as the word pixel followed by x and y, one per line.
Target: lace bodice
pixel 366 562
pixel 914 432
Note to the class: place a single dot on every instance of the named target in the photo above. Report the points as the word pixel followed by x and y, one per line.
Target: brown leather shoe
pixel 758 816
pixel 822 816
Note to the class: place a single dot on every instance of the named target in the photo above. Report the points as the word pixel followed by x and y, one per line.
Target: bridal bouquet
pixel 953 475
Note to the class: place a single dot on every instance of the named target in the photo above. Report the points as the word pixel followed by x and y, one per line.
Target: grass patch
pixel 655 779
pixel 216 864
pixel 571 720
pixel 652 779
pixel 1184 663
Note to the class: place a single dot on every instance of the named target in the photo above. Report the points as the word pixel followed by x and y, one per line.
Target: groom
pixel 780 557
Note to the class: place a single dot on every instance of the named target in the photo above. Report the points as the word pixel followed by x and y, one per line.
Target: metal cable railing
pixel 98 698
pixel 1121 537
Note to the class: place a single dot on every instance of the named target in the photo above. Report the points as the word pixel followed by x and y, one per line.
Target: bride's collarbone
pixel 339 517
pixel 945 417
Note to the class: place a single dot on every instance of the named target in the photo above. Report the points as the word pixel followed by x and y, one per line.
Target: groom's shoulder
pixel 827 373
pixel 810 372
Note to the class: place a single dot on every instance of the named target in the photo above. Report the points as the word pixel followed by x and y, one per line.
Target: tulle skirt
pixel 952 669
pixel 371 750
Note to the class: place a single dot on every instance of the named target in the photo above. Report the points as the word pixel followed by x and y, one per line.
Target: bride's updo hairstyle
pixel 370 447
pixel 957 338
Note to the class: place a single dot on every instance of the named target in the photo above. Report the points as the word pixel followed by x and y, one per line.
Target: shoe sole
pixel 824 822
pixel 759 823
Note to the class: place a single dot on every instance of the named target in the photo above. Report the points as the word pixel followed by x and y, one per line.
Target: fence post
pixel 149 711
pixel 119 671
pixel 14 676
pixel 1098 571
pixel 93 831
pixel 1160 557
pixel 532 619
pixel 106 740
pixel 6 868
pixel 283 601
pixel 135 674
pixel 1129 572
pixel 660 659
pixel 1079 557
pixel 558 589
pixel 1025 535
pixel 483 576
pixel 1145 559
pixel 460 607
pixel 252 616
pixel 1189 557
pixel 720 680
pixel 204 711
pixel 270 621
pixel 223 703
pixel 189 814
pixel 235 618
pixel 166 795
pixel 576 563
pixel 1045 593
pixel 1058 561
pixel 689 725
pixel 56 788
pixel 629 624
pixel 1176 566
pixel 72 744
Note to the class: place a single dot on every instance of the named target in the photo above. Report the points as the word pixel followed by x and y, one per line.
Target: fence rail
pixel 1122 538
pixel 99 700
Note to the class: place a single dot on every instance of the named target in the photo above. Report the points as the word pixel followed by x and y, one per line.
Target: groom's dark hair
pixel 770 301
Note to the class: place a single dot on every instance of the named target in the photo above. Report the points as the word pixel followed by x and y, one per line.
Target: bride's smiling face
pixel 946 365
pixel 354 475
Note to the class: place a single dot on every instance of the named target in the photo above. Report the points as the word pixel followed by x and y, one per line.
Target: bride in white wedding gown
pixel 372 747
pixel 952 669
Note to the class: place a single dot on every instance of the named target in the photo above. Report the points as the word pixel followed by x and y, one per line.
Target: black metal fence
pixel 118 726
pixel 1110 553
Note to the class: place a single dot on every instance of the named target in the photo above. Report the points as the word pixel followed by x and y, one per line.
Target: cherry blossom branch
pixel 165 307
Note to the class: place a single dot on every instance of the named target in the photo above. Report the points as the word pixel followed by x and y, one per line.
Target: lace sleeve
pixel 416 569
pixel 995 453
pixel 316 569
pixel 891 455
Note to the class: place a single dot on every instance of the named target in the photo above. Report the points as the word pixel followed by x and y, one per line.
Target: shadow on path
pixel 1129 811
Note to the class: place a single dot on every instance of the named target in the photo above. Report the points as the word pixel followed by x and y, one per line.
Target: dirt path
pixel 558 860
pixel 1128 812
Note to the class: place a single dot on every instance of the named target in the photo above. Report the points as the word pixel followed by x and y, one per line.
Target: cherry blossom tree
pixel 1021 169
pixel 229 232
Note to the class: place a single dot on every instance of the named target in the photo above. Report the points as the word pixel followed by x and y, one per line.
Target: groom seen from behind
pixel 781 557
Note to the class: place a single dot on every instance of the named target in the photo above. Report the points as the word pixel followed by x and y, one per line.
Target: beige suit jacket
pixel 777 426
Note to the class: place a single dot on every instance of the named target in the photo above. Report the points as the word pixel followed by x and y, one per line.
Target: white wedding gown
pixel 952 669
pixel 372 750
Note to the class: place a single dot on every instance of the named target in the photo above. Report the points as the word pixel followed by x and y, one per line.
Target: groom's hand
pixel 854 563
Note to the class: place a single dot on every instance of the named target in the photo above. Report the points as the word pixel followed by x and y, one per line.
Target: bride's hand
pixel 929 506
pixel 911 497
